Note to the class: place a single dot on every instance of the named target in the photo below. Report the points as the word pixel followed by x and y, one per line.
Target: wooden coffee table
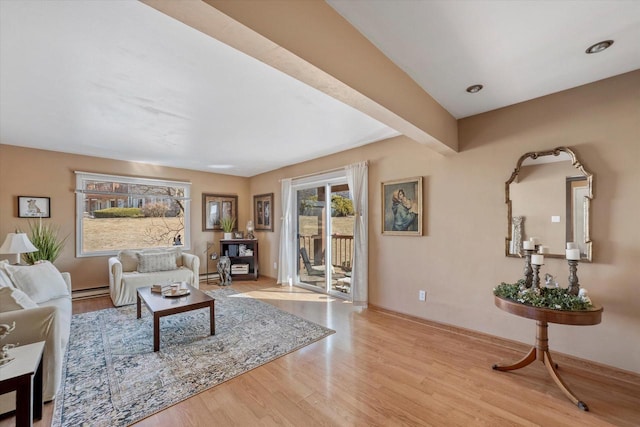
pixel 165 306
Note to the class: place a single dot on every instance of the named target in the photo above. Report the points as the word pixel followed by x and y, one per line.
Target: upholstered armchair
pixel 37 320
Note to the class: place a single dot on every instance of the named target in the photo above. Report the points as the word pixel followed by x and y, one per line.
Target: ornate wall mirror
pixel 548 196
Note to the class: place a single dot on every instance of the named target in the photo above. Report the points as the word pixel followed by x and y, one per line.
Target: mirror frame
pixel 587 202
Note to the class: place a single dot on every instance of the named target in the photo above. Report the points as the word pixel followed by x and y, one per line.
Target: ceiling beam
pixel 311 42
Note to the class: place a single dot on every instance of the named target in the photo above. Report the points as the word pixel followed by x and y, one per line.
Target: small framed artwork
pixel 263 212
pixel 402 207
pixel 238 234
pixel 218 206
pixel 34 207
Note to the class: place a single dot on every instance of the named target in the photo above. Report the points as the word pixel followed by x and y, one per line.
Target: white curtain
pixel 287 258
pixel 357 179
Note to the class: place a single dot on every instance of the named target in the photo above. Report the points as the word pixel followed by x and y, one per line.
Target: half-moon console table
pixel 540 351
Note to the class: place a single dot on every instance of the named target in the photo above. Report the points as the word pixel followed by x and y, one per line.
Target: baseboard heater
pixel 205 277
pixel 90 293
pixel 104 290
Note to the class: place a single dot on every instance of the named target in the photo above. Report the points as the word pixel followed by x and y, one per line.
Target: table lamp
pixel 17 243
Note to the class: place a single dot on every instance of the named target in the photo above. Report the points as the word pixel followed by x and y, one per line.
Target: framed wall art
pixel 216 207
pixel 263 212
pixel 34 207
pixel 402 207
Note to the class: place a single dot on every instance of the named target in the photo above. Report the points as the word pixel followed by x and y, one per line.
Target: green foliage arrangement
pixel 553 298
pixel 227 223
pixel 45 238
pixel 118 213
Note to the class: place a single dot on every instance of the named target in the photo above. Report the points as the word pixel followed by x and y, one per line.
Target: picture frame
pixel 238 234
pixel 402 207
pixel 263 212
pixel 34 207
pixel 217 206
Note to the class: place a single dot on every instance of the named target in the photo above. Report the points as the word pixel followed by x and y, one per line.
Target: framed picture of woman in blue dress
pixel 402 207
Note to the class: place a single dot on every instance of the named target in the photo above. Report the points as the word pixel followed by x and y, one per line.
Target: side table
pixel 544 316
pixel 24 376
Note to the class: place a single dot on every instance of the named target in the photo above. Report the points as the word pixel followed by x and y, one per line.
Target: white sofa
pixel 36 319
pixel 133 269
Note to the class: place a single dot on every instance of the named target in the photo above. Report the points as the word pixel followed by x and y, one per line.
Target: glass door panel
pixel 311 237
pixel 325 238
pixel 341 237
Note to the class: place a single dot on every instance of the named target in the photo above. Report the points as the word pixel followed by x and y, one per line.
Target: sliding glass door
pixel 325 219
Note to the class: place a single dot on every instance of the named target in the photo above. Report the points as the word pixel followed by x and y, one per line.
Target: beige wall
pixel 461 258
pixel 30 172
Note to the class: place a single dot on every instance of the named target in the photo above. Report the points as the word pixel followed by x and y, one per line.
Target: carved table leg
pixel 548 362
pixel 526 360
pixel 541 353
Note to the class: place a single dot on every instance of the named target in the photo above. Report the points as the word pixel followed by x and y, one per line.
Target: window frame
pixel 82 177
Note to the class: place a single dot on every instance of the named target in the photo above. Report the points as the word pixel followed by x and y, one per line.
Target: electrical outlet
pixel 275 265
pixel 422 295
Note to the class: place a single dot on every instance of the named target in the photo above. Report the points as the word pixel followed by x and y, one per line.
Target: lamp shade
pixel 17 243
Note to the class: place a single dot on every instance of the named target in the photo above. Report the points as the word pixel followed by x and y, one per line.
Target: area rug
pixel 112 377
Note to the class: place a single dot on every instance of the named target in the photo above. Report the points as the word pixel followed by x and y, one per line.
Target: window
pixel 117 212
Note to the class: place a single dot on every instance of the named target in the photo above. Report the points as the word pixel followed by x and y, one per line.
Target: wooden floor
pixel 381 369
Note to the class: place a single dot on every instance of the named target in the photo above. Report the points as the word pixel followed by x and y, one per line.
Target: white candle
pixel 543 249
pixel 571 245
pixel 537 259
pixel 534 240
pixel 573 254
pixel 528 245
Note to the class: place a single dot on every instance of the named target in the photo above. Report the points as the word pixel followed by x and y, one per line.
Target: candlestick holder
pixel 528 271
pixel 536 276
pixel 574 286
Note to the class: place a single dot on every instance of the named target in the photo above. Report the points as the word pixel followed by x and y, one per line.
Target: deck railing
pixel 341 250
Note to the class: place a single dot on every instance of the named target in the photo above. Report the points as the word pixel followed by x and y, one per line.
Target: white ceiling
pixel 517 49
pixel 118 79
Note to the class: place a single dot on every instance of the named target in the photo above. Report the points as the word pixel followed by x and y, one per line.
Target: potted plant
pixel 45 238
pixel 227 223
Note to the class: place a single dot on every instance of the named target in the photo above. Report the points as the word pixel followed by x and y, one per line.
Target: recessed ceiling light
pixel 474 88
pixel 599 47
pixel 220 166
